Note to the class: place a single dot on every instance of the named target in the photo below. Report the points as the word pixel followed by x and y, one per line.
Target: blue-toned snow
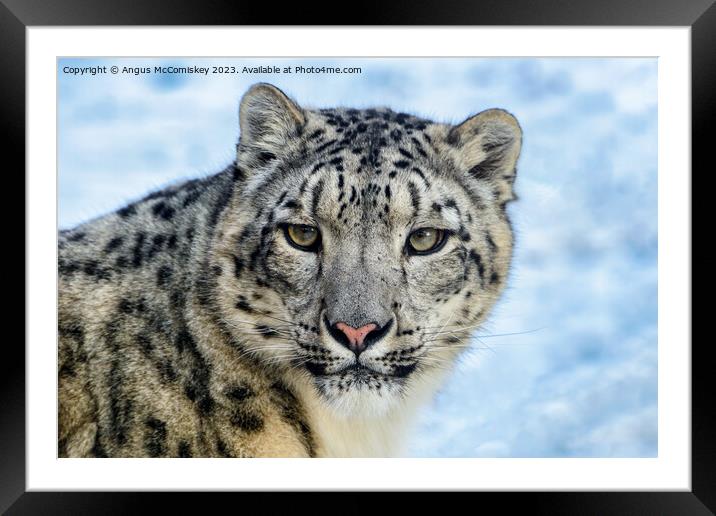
pixel 580 377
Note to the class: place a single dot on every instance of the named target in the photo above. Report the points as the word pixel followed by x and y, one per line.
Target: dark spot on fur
pixel 113 244
pixel 405 153
pixel 166 370
pixel 246 420
pixel 137 255
pixel 414 197
pixel 420 173
pixel 239 392
pixel 316 196
pixel 184 450
pixel 191 198
pixel 238 266
pixel 157 244
pixel 243 305
pixel 164 274
pixel 125 306
pixel 145 343
pixel 90 267
pixel 67 268
pixel 127 211
pixel 155 437
pixel 491 243
pixel 183 340
pixel 222 449
pixel 163 210
pixel 237 174
pixel 316 368
pixel 97 448
pixel 401 371
pixel 475 257
pixel 265 157
pixel 324 146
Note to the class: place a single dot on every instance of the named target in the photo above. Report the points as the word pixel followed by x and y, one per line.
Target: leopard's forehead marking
pixel 375 141
pixel 368 164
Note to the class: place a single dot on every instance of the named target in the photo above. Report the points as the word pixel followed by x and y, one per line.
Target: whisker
pixel 257 323
pixel 510 334
pixel 277 319
pixel 448 320
pixel 488 335
pixel 265 333
pixel 270 335
pixel 278 347
pixel 487 346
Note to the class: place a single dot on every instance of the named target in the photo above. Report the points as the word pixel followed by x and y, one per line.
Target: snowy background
pixel 567 365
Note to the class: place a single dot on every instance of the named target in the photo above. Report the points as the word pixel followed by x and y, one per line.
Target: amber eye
pixel 302 236
pixel 425 240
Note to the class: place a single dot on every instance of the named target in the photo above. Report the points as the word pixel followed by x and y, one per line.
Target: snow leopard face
pixel 364 245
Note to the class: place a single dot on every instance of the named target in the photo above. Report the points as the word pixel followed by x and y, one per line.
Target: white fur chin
pixel 359 422
pixel 359 402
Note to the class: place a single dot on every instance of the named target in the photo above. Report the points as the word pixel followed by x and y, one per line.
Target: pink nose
pixel 356 336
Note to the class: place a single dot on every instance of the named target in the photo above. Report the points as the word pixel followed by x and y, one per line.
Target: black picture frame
pixel 17 15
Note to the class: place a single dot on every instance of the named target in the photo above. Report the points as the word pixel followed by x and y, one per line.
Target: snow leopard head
pixel 366 245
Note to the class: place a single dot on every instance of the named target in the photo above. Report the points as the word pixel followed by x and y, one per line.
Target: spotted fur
pixel 190 327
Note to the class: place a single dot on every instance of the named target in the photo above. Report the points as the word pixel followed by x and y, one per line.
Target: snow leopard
pixel 306 301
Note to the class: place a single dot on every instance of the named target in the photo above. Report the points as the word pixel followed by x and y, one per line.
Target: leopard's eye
pixel 426 240
pixel 306 238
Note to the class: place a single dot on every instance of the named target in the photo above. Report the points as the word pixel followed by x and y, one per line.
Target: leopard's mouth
pixel 359 372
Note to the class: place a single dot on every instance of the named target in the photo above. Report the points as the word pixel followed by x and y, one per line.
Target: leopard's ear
pixel 269 122
pixel 486 147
